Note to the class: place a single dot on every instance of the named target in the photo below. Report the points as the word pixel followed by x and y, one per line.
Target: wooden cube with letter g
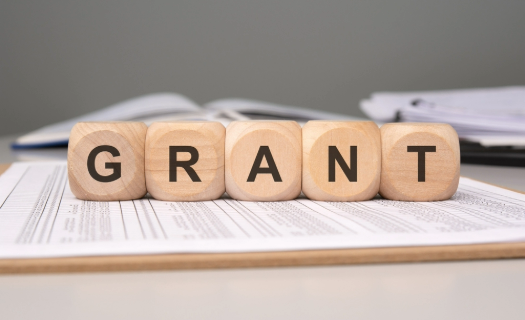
pixel 106 160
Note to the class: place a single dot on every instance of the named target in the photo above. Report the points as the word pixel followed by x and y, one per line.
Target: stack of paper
pixel 40 217
pixel 492 117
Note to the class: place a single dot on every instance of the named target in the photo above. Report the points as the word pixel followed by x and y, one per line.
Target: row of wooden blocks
pixel 263 161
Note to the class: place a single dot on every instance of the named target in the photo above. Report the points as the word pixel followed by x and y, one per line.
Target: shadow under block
pixel 106 160
pixel 341 160
pixel 420 161
pixel 263 160
pixel 185 160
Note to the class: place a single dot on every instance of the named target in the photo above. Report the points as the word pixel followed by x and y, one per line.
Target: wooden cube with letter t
pixel 185 160
pixel 341 160
pixel 420 161
pixel 106 160
pixel 263 160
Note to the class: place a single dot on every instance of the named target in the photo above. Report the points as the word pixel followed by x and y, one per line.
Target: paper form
pixel 40 217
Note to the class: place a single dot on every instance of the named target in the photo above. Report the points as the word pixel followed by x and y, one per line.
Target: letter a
pixel 264 151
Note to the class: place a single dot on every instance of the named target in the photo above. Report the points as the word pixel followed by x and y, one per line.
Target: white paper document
pixel 40 217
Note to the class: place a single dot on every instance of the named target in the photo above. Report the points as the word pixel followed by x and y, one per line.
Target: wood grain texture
pixel 208 140
pixel 126 137
pixel 244 140
pixel 261 259
pixel 318 136
pixel 4 167
pixel 399 166
pixel 264 259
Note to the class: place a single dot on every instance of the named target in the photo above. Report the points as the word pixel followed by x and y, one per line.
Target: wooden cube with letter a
pixel 185 160
pixel 106 160
pixel 341 160
pixel 263 160
pixel 420 161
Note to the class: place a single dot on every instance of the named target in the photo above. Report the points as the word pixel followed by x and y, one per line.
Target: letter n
pixel 349 171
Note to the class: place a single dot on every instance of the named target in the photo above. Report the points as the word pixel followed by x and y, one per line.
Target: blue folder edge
pixel 59 143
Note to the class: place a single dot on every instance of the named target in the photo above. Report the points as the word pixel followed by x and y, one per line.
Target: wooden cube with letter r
pixel 106 160
pixel 341 160
pixel 185 160
pixel 420 161
pixel 263 160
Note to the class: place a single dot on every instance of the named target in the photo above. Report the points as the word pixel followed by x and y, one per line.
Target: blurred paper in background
pixel 490 122
pixel 41 144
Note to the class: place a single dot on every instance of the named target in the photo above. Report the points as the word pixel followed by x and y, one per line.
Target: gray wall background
pixel 63 59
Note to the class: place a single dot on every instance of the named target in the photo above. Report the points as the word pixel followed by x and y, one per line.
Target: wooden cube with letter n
pixel 185 160
pixel 263 160
pixel 341 160
pixel 421 161
pixel 106 160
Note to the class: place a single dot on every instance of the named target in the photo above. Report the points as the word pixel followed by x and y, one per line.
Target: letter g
pixel 116 166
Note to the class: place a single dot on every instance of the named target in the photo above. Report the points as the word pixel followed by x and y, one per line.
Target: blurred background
pixel 61 59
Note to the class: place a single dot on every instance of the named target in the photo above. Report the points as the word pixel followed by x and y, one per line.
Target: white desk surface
pixel 445 290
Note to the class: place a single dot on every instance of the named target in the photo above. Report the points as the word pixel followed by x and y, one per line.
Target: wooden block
pixel 106 160
pixel 263 160
pixel 185 160
pixel 341 160
pixel 420 161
